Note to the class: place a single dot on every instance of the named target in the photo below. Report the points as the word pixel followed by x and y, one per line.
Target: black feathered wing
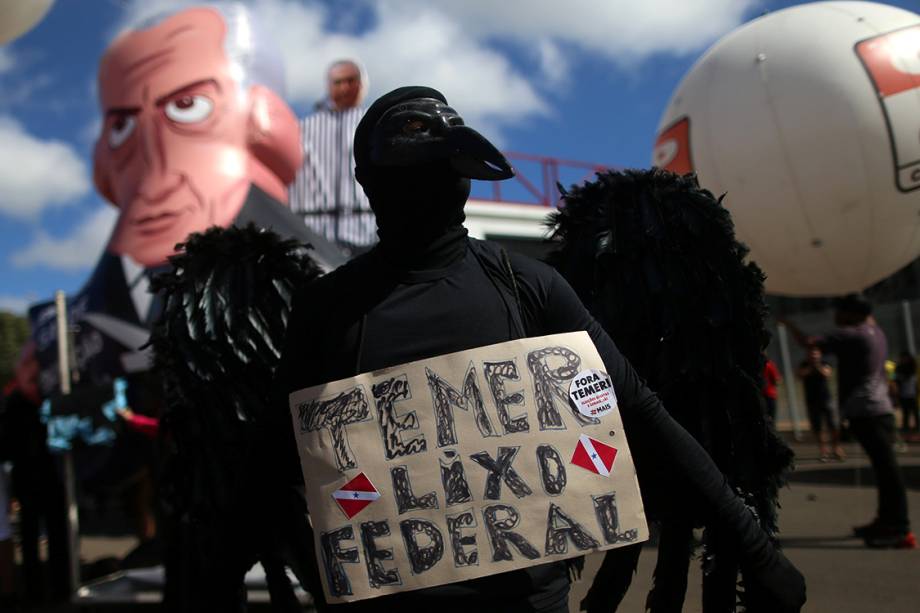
pixel 227 300
pixel 655 259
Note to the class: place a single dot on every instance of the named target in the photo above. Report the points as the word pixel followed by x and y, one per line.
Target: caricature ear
pixel 274 134
pixel 101 162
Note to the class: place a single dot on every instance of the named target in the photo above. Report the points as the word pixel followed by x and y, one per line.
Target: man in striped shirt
pixel 325 192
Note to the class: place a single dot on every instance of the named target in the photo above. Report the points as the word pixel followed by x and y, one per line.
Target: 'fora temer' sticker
pixel 591 391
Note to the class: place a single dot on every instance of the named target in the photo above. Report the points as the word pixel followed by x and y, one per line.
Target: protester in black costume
pixel 427 289
pixel 654 258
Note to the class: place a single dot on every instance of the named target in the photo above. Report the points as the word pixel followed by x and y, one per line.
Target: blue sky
pixel 579 79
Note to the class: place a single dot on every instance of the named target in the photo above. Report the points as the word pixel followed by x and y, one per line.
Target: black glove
pixel 776 587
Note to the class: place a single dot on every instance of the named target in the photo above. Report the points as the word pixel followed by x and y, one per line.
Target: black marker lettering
pixel 549 386
pixel 552 470
pixel 501 470
pixel 334 556
pixel 444 396
pixel 560 528
pixel 335 413
pixel 500 533
pixel 406 499
pixel 377 574
pixel 605 508
pixel 386 394
pixel 453 478
pixel 459 543
pixel 422 557
pixel 496 374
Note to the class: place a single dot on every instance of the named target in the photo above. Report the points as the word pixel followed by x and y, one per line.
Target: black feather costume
pixel 654 258
pixel 217 344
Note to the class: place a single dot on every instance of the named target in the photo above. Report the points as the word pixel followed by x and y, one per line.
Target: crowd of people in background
pixel 905 383
pixel 864 396
pixel 823 416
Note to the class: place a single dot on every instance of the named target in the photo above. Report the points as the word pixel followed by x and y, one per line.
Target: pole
pixel 791 399
pixel 908 327
pixel 63 338
pixel 70 493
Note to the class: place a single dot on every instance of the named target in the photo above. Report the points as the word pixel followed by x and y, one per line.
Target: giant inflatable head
pixel 191 122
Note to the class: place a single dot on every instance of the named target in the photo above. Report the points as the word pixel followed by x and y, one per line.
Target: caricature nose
pixel 152 145
pixel 156 187
pixel 159 180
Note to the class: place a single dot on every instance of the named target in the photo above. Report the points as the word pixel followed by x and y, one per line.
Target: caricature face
pixel 172 154
pixel 344 85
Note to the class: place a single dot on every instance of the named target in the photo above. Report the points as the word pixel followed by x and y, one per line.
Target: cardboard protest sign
pixel 465 465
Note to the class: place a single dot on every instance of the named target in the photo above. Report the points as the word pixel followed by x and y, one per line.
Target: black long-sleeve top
pixel 374 312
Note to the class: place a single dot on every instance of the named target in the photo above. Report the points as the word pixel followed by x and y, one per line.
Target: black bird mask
pixel 415 158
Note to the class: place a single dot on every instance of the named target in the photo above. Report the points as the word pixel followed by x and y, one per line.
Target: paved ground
pixel 819 507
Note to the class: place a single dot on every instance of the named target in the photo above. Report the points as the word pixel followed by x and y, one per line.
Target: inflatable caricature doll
pixel 194 134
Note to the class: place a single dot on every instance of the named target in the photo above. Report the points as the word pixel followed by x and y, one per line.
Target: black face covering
pixel 415 158
pixel 416 204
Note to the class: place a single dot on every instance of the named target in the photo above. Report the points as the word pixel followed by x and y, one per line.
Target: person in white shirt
pixel 325 191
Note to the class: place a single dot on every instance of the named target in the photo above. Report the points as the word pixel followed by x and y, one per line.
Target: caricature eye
pixel 121 129
pixel 189 109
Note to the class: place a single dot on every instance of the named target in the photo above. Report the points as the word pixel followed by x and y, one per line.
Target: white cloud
pixel 19 92
pixel 7 60
pixel 90 132
pixel 20 83
pixel 624 31
pixel 553 63
pixel 36 173
pixel 451 45
pixel 15 304
pixel 76 251
pixel 420 46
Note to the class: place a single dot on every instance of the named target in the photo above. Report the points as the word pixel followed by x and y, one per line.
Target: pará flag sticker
pixel 355 495
pixel 594 455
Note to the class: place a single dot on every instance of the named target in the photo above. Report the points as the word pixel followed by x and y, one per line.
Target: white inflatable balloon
pixel 19 16
pixel 809 120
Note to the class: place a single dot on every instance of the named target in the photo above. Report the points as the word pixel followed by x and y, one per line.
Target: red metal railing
pixel 536 179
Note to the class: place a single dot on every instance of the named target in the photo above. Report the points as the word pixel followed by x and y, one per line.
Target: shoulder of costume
pixel 520 263
pixel 348 271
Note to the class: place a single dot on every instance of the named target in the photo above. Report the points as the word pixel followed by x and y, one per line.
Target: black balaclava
pixel 414 158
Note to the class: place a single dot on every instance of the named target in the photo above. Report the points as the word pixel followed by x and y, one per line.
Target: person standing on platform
pixel 862 391
pixel 325 191
pixel 815 374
